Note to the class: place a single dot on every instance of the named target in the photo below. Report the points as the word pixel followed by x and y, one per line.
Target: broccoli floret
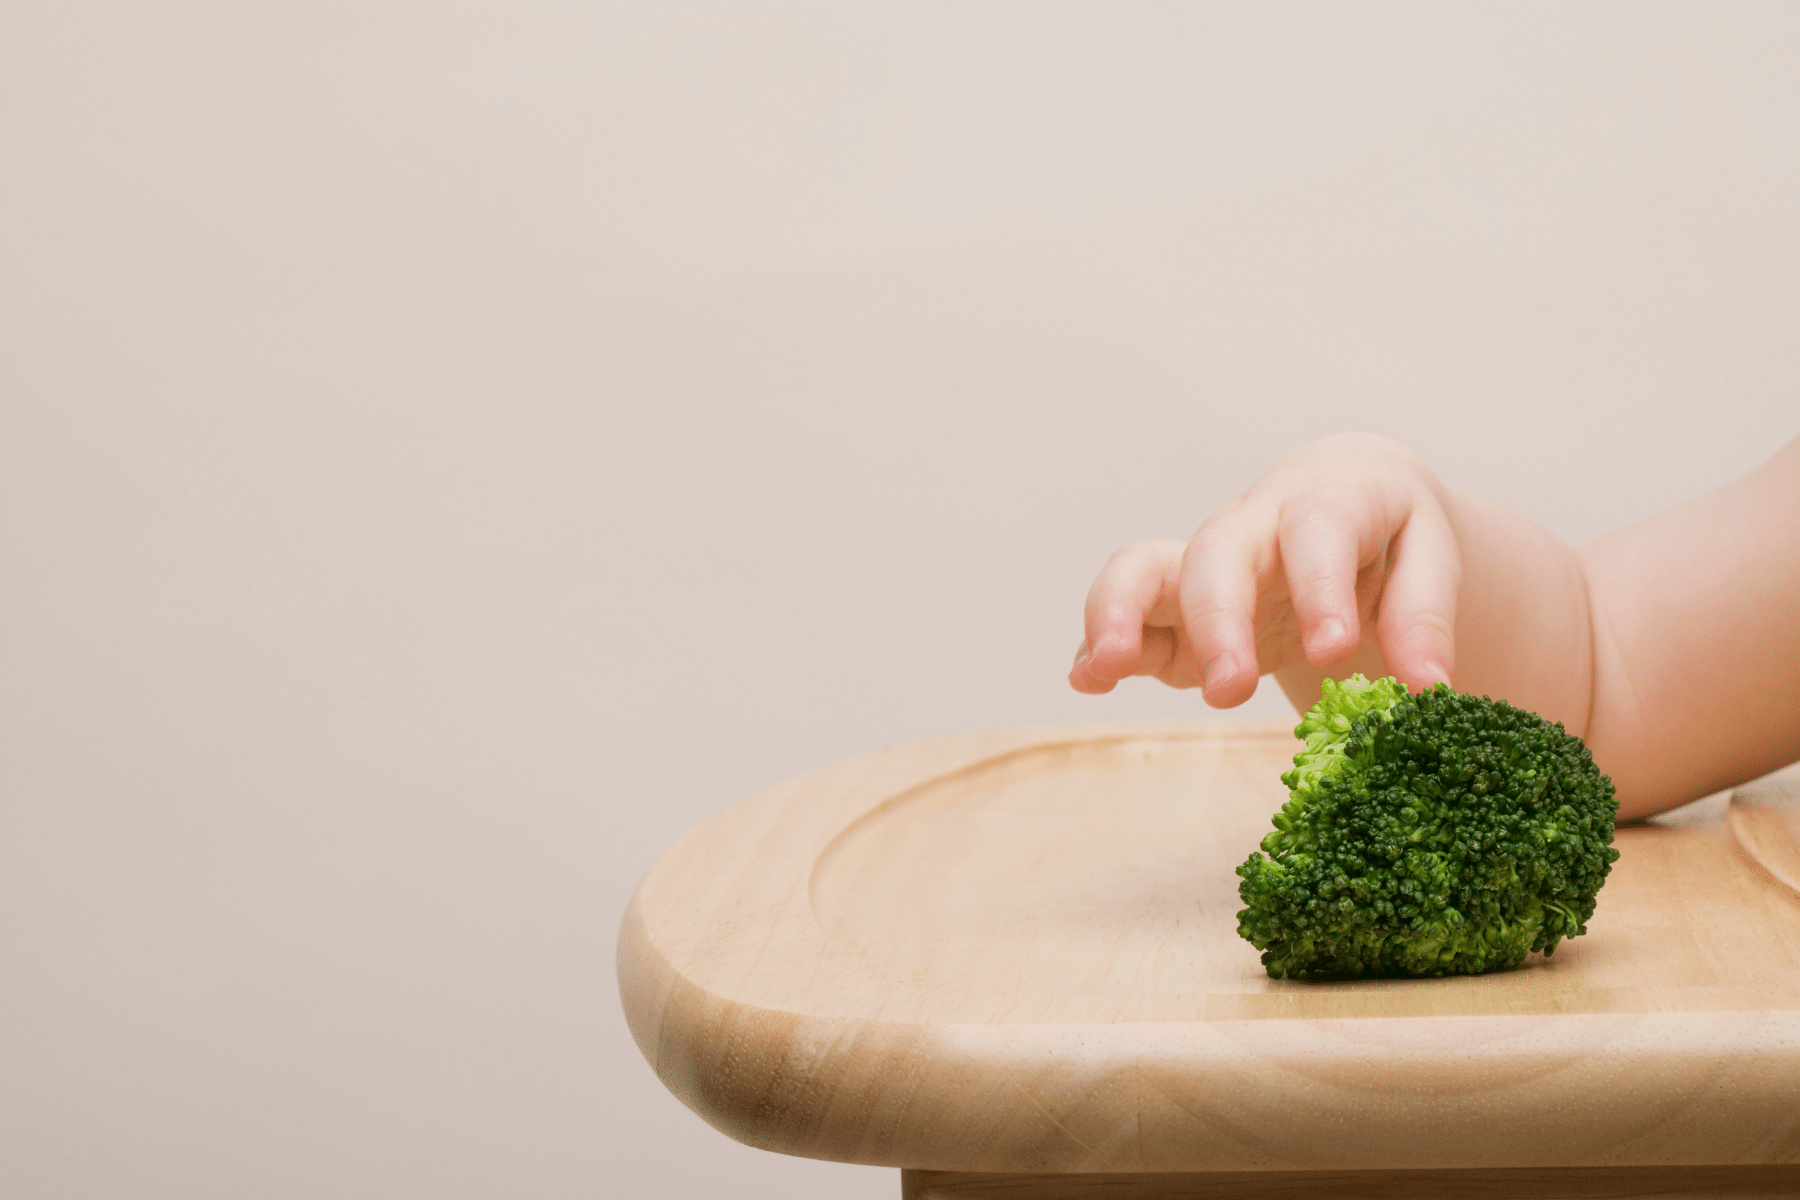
pixel 1436 834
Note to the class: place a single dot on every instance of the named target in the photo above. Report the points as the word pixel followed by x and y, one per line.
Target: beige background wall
pixel 448 449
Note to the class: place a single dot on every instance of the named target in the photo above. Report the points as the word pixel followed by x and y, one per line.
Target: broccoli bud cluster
pixel 1436 834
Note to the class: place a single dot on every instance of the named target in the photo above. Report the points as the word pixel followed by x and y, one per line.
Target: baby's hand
pixel 1346 533
pixel 1669 646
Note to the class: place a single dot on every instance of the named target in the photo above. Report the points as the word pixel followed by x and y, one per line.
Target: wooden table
pixel 1007 963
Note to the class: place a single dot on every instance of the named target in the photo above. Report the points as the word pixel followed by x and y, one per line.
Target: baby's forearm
pixel 1696 614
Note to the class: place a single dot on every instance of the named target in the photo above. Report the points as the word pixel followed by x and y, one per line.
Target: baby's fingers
pixel 1136 588
pixel 1220 576
pixel 1324 544
pixel 1417 627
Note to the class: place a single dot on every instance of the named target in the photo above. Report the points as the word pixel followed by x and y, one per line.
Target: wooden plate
pixel 1017 951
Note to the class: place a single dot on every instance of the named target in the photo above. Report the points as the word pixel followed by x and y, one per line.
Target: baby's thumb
pixel 1417 625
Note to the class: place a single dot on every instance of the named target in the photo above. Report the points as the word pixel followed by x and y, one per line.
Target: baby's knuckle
pixel 1430 621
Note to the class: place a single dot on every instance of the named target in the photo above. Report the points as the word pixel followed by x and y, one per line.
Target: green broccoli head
pixel 1436 834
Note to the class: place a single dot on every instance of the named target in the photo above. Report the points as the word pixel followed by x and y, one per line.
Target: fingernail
pixel 1329 632
pixel 1223 668
pixel 1082 654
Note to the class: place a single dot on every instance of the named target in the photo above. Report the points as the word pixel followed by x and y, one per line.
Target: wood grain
pixel 1580 1183
pixel 1016 952
pixel 1765 820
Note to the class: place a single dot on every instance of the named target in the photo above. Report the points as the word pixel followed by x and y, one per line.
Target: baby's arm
pixel 1350 555
pixel 1696 616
